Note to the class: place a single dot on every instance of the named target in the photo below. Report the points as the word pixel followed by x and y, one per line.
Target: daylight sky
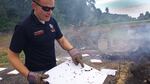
pixel 131 7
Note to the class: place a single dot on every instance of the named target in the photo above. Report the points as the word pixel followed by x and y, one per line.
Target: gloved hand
pixel 36 78
pixel 76 56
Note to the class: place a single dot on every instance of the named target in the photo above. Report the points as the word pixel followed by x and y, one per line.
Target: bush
pixel 7 24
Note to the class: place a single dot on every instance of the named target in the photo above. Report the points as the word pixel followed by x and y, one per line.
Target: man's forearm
pixel 65 44
pixel 74 53
pixel 17 64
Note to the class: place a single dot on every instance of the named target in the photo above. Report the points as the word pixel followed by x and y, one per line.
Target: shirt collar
pixel 36 19
pixel 43 22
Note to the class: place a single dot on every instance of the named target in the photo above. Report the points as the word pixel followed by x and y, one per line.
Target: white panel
pixel 1 69
pixel 96 61
pixel 68 58
pixel 68 73
pixel 1 78
pixel 13 72
pixel 109 71
pixel 57 59
pixel 85 55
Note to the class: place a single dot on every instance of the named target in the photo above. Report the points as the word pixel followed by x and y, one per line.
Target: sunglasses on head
pixel 45 8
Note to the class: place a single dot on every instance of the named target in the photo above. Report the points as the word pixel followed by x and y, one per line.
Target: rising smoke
pixel 130 40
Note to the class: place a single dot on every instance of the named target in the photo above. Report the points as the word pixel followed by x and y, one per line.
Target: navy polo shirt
pixel 37 42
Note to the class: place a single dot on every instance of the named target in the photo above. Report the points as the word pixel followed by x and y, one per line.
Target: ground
pixel 18 79
pixel 124 73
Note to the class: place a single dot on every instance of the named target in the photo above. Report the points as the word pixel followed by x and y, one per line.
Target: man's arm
pixel 74 53
pixel 16 63
pixel 64 43
pixel 33 78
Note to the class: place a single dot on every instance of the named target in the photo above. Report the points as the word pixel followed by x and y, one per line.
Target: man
pixel 36 36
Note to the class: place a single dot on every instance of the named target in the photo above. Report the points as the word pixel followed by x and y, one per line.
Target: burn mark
pixel 75 73
pixel 67 64
pixel 74 76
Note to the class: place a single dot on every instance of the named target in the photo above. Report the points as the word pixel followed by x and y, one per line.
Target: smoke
pixel 129 40
pixel 119 40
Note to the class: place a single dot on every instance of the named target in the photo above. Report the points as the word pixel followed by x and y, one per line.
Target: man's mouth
pixel 47 15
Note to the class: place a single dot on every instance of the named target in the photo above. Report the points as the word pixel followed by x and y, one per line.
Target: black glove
pixel 36 78
pixel 76 56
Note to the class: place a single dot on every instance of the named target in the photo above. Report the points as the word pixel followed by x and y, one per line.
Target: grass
pixel 3 59
pixel 4 44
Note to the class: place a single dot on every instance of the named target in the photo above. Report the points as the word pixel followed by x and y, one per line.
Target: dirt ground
pixel 124 74
pixel 19 79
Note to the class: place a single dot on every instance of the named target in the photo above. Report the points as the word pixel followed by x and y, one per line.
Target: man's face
pixel 43 9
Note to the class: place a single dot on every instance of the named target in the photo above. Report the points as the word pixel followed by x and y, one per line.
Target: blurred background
pixel 115 31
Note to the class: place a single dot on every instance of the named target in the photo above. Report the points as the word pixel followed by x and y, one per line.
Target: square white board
pixel 69 73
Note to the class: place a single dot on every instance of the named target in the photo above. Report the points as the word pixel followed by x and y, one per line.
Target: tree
pixel 98 12
pixel 75 12
pixel 147 15
pixel 11 11
pixel 144 17
pixel 107 10
pixel 141 17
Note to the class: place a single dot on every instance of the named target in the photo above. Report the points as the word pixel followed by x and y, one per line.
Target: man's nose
pixel 50 12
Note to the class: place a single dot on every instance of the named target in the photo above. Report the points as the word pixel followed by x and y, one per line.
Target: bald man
pixel 35 36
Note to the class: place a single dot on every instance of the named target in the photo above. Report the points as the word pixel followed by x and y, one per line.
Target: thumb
pixel 44 76
pixel 81 62
pixel 45 82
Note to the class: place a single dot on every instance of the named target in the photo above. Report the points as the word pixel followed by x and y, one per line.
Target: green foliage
pixel 144 17
pixel 72 11
pixel 22 57
pixel 80 12
pixel 67 12
pixel 6 24
pixel 3 58
pixel 107 18
pixel 11 12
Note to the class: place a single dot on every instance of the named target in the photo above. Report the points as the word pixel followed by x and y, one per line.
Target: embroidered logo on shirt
pixel 52 29
pixel 38 33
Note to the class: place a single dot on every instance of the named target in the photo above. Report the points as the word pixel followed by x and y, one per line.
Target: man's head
pixel 43 9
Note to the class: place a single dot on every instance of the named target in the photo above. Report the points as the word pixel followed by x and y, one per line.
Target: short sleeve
pixel 18 40
pixel 58 31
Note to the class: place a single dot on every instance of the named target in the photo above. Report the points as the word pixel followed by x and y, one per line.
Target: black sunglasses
pixel 45 8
